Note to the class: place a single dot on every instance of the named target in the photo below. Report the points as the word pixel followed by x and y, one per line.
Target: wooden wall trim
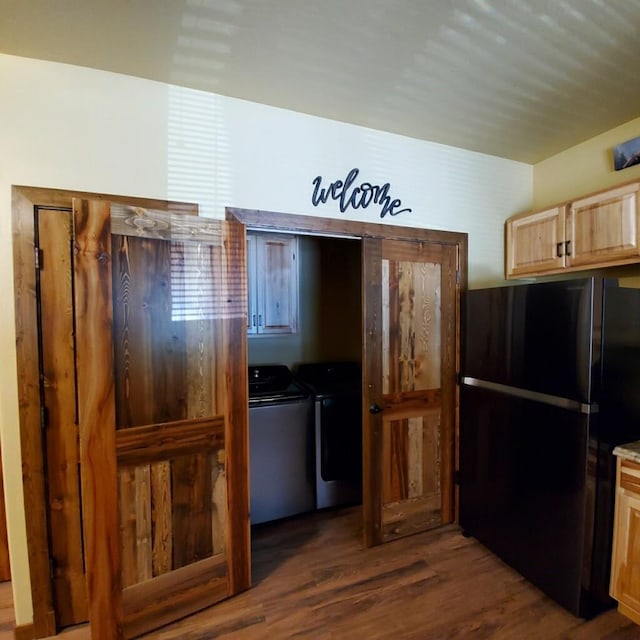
pixel 257 219
pixel 372 376
pixel 62 198
pixel 31 445
pixel 24 632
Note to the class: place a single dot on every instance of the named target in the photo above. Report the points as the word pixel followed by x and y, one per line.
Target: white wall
pixel 74 128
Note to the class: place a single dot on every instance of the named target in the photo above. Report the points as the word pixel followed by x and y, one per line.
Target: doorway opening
pixel 411 283
pixel 324 355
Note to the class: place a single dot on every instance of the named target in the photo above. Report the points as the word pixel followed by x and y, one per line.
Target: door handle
pixel 374 408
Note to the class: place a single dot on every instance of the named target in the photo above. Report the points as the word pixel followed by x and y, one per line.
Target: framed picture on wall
pixel 626 154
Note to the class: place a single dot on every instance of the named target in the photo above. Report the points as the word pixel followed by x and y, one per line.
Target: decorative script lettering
pixel 357 197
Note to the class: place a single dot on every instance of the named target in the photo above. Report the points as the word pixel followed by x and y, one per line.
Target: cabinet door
pixel 625 567
pixel 277 284
pixel 536 243
pixel 603 229
pixel 252 275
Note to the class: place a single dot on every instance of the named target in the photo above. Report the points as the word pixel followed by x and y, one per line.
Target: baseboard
pixel 24 632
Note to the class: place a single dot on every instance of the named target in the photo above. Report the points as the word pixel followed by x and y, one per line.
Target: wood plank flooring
pixel 313 579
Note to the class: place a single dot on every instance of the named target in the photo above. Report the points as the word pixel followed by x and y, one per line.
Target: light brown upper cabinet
pixel 600 230
pixel 272 274
pixel 603 229
pixel 535 242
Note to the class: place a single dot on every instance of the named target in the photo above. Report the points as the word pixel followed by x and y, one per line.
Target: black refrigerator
pixel 550 385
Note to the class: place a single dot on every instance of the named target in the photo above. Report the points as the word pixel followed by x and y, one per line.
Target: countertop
pixel 629 451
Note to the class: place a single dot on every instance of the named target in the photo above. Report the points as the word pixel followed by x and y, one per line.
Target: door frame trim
pixel 295 223
pixel 335 227
pixel 23 201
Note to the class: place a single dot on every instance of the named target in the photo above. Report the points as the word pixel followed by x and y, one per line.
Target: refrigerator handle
pixel 559 249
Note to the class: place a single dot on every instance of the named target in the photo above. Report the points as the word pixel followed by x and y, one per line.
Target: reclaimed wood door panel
pixel 412 498
pixel 173 507
pixel 411 310
pixel 55 296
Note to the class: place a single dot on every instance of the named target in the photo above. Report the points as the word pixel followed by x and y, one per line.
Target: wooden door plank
pixel 127 517
pixel 59 392
pixel 451 289
pixel 432 436
pixel 416 467
pixel 162 550
pixel 219 503
pixel 134 389
pixel 234 357
pixel 372 268
pixel 169 597
pixel 156 442
pixel 31 433
pixel 143 502
pixel 192 504
pixel 96 416
pixel 395 454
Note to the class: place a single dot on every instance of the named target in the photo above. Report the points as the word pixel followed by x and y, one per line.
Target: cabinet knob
pixel 375 408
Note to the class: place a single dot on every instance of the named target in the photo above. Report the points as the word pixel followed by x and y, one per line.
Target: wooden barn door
pixel 160 310
pixel 411 308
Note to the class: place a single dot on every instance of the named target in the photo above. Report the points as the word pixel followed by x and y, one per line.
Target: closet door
pixel 411 311
pixel 160 313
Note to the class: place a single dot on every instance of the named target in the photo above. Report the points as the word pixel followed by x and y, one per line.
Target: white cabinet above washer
pixel 272 276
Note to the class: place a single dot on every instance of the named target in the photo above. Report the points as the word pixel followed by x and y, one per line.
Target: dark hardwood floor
pixel 313 579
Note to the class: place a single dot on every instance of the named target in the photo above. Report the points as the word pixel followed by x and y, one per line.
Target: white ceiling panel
pixel 520 79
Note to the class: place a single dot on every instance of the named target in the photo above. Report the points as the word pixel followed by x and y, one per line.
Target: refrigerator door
pixel 526 488
pixel 541 337
pixel 619 397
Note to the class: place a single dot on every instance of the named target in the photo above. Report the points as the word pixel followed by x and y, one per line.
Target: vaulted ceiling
pixel 521 79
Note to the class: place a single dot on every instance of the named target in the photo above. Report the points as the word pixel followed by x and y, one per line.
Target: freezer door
pixel 619 398
pixel 542 337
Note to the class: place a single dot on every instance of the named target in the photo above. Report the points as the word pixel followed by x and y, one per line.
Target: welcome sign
pixel 357 196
